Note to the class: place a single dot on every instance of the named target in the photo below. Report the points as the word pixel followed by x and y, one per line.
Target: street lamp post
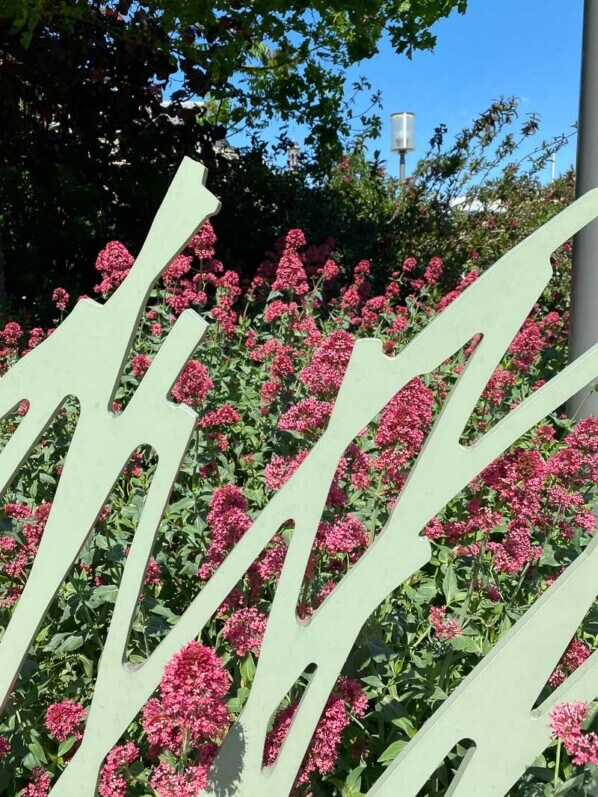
pixel 402 136
pixel 584 280
pixel 293 154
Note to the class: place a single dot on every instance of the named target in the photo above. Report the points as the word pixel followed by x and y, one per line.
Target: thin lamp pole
pixel 584 278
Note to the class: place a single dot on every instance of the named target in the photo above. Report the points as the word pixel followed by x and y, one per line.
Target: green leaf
pixel 106 593
pixel 247 669
pixel 426 591
pixel 352 786
pixel 71 643
pixel 185 503
pixel 392 751
pixel 467 644
pixel 405 724
pixel 87 666
pixel 548 557
pixel 66 746
pixel 379 651
pixel 373 680
pixel 569 785
pixel 38 751
pixel 449 585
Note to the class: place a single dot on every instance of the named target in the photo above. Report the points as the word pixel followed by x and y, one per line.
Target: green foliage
pixel 271 60
pixel 86 145
pixel 403 663
pixel 469 200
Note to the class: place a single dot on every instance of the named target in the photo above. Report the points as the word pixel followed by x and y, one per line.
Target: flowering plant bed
pixel 263 383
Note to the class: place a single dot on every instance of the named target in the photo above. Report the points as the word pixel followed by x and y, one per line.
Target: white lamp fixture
pixel 293 155
pixel 402 136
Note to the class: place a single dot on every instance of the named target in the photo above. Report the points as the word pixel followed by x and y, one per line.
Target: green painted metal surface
pixel 493 706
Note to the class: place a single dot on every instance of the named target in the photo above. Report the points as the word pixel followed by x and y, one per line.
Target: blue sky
pixel 527 48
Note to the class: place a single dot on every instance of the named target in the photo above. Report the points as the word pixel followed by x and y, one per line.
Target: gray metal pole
pixel 584 289
pixel 402 166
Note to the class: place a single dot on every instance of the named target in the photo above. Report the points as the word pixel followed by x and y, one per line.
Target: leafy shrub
pixel 264 382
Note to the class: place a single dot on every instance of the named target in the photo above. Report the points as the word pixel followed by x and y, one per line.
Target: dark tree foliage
pixel 87 147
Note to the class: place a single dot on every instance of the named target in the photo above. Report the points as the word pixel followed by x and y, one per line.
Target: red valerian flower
pixel 433 270
pixel 65 719
pixel 114 780
pixel 191 707
pixel 347 699
pixel 193 385
pixel 575 655
pixel 566 720
pixel 114 263
pixel 290 274
pixel 60 298
pixel 444 628
pixel 39 785
pixel 244 630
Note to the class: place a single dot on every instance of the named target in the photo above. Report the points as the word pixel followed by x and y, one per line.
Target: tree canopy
pixel 88 143
pixel 255 59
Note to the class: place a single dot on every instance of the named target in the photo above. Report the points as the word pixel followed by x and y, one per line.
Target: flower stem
pixel 557 763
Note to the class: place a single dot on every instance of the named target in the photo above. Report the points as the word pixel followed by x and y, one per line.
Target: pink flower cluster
pixel 403 425
pixel 269 566
pixel 191 707
pixel 65 719
pixel 309 415
pixel 12 333
pixel 60 298
pixel 433 270
pixel 16 557
pixel 153 574
pixel 290 274
pixel 114 263
pixel 179 267
pixel 575 655
pixel 40 783
pixel 353 297
pixel 203 242
pixel 281 365
pixel 281 468
pixel 223 416
pixel 566 720
pixel 346 535
pixel 443 627
pixel 517 549
pixel 193 385
pixel 114 779
pixel 228 522
pixel 329 271
pixel 192 284
pixel 347 699
pixel 228 291
pixel 406 417
pixel 167 782
pixel 5 747
pixel 139 365
pixel 325 372
pixel 278 309
pixel 526 346
pixel 541 497
pixel 244 630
